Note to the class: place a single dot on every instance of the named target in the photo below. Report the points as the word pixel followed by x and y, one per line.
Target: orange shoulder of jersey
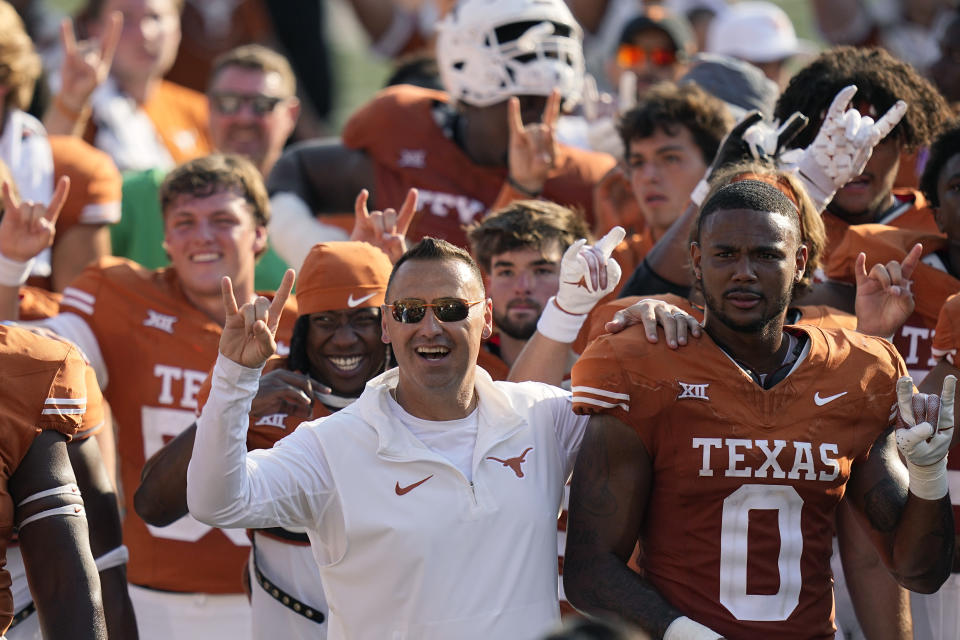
pixel 603 313
pixel 826 317
pixel 883 243
pixel 493 364
pixel 37 303
pixel 45 386
pixel 632 379
pixel 180 117
pixel 947 338
pixel 95 183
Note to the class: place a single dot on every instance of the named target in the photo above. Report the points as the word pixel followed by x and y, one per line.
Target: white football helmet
pixel 490 50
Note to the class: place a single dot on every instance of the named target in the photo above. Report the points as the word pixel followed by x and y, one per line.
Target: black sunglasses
pixel 412 310
pixel 230 103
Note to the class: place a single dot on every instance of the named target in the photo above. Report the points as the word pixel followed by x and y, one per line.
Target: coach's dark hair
pixel 943 148
pixel 435 250
pixel 666 107
pixel 881 80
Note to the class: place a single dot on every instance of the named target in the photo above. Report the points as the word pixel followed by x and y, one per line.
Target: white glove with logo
pixel 842 147
pixel 923 446
pixel 587 274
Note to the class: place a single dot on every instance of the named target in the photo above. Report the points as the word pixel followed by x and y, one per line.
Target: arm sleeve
pixel 646 282
pixel 227 487
pixel 294 230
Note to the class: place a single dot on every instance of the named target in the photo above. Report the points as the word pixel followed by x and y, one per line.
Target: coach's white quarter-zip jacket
pixel 408 548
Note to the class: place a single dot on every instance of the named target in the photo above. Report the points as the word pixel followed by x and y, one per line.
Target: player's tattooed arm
pixel 914 537
pixel 611 483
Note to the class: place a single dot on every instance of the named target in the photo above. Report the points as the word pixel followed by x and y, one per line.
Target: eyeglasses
pixel 629 55
pixel 230 103
pixel 412 310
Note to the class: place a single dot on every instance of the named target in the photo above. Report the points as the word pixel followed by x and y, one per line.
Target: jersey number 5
pixel 733 552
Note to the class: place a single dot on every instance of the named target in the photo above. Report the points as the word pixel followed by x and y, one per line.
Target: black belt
pixel 22 615
pixel 282 596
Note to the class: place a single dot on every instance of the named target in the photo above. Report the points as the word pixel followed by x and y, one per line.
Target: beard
pixel 772 310
pixel 520 329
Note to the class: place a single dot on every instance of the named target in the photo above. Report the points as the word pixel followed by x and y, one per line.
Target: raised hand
pixel 28 227
pixel 385 229
pixel 86 64
pixel 843 146
pixel 924 434
pixel 588 273
pixel 249 332
pixel 533 147
pixel 884 301
pixel 650 312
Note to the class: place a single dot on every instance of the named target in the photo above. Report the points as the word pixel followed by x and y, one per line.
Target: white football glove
pixel 579 291
pixel 923 446
pixel 842 147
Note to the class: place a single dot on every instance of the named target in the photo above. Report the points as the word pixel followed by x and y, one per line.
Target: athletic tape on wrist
pixel 113 558
pixel 14 273
pixel 557 324
pixel 683 628
pixel 929 482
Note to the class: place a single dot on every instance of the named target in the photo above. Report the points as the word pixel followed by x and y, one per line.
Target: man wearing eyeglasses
pixel 431 501
pixel 655 46
pixel 253 110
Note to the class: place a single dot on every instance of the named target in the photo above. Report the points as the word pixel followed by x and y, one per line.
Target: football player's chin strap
pixel 334 401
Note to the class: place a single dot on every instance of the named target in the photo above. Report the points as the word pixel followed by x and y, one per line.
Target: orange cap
pixel 342 275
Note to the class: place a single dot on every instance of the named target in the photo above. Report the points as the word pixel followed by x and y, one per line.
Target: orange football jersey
pixel 158 349
pixel 931 285
pixel 947 337
pixel 180 116
pixel 95 183
pixel 409 149
pixel 37 303
pixel 43 389
pixel 914 213
pixel 738 529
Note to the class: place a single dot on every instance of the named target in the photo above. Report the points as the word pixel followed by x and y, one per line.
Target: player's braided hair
pixel 881 80
pixel 943 148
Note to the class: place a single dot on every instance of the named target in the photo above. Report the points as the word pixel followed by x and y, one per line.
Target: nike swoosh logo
pixel 352 303
pixel 822 401
pixel 402 490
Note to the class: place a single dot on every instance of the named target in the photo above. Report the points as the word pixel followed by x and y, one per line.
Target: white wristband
pixel 557 324
pixel 14 273
pixel 929 482
pixel 683 628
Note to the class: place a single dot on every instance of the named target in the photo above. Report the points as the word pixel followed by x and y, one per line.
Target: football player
pixel 727 459
pixel 454 146
pixel 43 402
pixel 151 336
pixel 336 344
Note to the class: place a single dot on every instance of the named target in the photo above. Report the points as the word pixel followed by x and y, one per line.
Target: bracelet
pixel 559 325
pixel 14 273
pixel 518 187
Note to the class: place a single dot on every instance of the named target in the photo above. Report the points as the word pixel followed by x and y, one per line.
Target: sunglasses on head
pixel 412 310
pixel 230 103
pixel 629 55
